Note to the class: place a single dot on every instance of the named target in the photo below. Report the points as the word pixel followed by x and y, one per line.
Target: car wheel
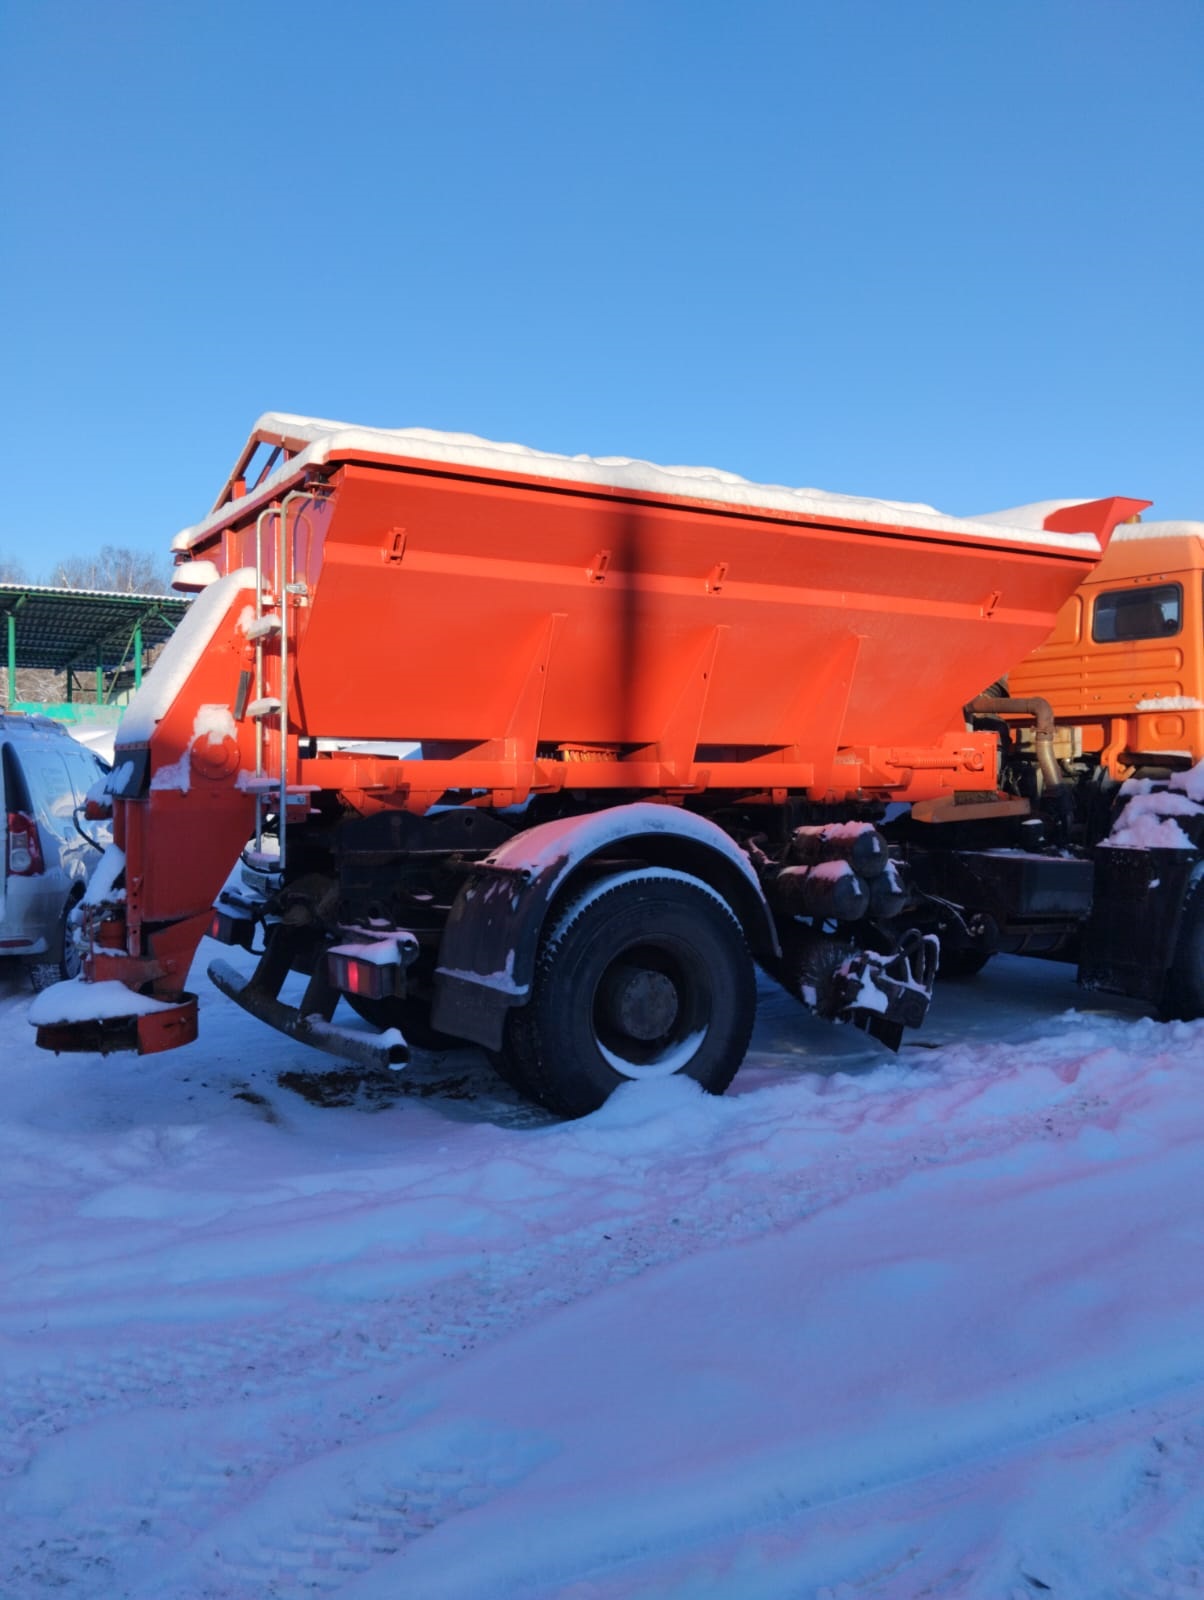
pixel 64 959
pixel 643 976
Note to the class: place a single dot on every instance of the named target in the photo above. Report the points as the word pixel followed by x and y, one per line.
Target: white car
pixel 48 851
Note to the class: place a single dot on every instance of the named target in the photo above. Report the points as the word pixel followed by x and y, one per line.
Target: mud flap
pixel 884 994
pixel 1130 938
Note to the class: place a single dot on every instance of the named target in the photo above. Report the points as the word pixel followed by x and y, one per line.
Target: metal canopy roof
pixel 83 628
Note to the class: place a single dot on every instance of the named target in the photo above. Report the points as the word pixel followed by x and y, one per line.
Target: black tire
pixel 412 1016
pixel 1185 985
pixel 962 963
pixel 643 976
pixel 63 959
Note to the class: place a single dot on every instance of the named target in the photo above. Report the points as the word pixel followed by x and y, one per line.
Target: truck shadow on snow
pixel 787 1044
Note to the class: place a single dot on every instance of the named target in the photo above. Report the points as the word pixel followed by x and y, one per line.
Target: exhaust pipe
pixel 1042 714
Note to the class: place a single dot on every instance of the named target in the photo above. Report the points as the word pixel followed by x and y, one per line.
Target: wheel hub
pixel 639 1001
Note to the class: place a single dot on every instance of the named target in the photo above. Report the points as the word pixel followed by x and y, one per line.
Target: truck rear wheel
pixel 645 975
pixel 964 963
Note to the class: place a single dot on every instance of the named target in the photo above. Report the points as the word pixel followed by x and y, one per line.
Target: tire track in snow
pixel 452 1319
pixel 340 1539
pixel 255 1365
pixel 306 1537
pixel 1167 1418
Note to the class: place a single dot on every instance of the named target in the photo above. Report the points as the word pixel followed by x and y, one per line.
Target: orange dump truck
pixel 543 753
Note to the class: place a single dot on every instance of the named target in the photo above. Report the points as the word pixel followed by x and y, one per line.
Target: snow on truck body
pixel 653 709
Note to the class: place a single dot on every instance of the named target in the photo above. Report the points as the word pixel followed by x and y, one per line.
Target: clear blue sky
pixel 946 250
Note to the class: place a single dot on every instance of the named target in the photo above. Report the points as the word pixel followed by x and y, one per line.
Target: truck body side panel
pixel 568 637
pixel 179 814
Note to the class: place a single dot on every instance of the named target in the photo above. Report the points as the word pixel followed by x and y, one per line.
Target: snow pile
pixel 190 576
pixel 1030 516
pixel 1134 532
pixel 175 775
pixel 102 883
pixel 212 723
pixel 1147 821
pixel 1171 702
pixel 179 656
pixel 1191 783
pixel 318 441
pixel 77 1001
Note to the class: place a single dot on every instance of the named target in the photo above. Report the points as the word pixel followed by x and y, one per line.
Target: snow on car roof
pixel 316 441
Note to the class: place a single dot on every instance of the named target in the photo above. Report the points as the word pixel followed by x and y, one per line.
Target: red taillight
pixel 228 929
pixel 24 846
pixel 371 979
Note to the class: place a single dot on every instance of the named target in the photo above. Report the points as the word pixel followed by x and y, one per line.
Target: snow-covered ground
pixel 866 1327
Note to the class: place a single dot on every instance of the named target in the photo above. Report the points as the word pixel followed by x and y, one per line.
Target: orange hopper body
pixel 534 631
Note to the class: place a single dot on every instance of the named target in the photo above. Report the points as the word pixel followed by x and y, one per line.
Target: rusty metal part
pixel 1042 714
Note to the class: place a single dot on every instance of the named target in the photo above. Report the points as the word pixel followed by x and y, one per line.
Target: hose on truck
pixel 1041 711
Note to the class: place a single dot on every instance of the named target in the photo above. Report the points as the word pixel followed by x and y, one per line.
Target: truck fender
pixel 490 943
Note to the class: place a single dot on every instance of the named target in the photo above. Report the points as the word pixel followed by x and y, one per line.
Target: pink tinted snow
pixel 1191 783
pixel 552 842
pixel 1147 822
pixel 836 830
pixel 868 1326
pixel 830 871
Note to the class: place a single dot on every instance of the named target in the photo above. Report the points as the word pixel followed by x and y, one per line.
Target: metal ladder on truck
pixel 271 788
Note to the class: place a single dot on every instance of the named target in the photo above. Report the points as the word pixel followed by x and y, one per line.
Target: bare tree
pixel 11 571
pixel 114 567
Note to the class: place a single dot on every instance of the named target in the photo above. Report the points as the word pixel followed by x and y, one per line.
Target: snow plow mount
pixel 886 993
pixel 148 1033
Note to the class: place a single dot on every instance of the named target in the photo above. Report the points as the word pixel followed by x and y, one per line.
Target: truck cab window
pixel 1151 612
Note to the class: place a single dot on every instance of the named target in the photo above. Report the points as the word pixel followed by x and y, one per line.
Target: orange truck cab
pixel 1123 669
